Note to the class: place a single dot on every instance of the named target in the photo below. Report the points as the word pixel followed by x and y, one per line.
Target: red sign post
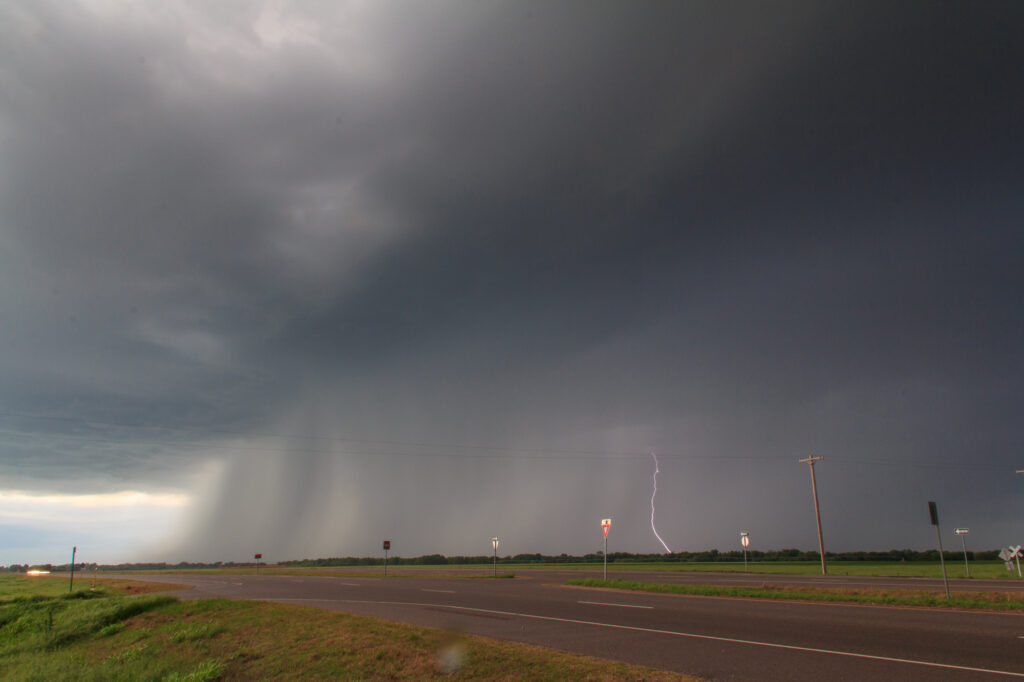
pixel 605 525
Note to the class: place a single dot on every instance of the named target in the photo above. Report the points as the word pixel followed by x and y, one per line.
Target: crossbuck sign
pixel 1008 554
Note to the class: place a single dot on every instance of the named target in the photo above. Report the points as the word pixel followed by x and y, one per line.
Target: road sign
pixel 387 544
pixel 744 540
pixel 605 525
pixel 963 544
pixel 258 556
pixel 1008 554
pixel 494 544
pixel 933 512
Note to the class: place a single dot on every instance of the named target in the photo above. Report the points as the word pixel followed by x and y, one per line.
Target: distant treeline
pixel 711 555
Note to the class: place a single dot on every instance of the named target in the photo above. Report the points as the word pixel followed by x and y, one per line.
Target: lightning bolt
pixel 653 493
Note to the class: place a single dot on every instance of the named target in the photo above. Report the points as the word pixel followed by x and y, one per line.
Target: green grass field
pixel 98 633
pixel 1005 601
pixel 989 570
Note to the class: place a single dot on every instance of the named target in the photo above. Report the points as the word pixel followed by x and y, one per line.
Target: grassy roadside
pixel 98 634
pixel 987 570
pixel 476 573
pixel 981 570
pixel 960 600
pixel 14 586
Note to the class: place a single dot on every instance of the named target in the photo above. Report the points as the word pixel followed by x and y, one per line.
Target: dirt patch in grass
pixel 137 587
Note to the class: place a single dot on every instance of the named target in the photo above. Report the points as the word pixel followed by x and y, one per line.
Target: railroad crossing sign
pixel 605 525
pixel 1008 554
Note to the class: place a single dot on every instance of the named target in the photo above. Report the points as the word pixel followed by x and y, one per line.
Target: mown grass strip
pixel 980 570
pixel 15 587
pixel 984 570
pixel 961 600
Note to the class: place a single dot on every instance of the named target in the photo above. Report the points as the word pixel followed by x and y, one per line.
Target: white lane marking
pixel 236 583
pixel 626 606
pixel 733 640
pixel 350 584
pixel 444 591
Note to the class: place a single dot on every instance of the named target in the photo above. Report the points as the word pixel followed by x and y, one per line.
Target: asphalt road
pixel 712 638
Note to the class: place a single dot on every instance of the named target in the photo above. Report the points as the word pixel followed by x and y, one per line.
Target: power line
pixel 510 453
pixel 452 450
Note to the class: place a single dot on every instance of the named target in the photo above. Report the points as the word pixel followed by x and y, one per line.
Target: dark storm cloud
pixel 733 234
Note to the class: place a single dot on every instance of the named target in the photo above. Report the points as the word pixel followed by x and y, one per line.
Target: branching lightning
pixel 653 493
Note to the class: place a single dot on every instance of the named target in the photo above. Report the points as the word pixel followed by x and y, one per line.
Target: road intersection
pixel 710 637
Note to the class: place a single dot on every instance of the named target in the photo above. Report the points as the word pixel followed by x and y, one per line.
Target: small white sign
pixel 745 541
pixel 606 522
pixel 961 531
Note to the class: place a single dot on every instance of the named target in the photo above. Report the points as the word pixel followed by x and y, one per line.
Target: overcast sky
pixel 293 278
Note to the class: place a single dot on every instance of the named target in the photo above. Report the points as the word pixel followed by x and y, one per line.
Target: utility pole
pixel 817 515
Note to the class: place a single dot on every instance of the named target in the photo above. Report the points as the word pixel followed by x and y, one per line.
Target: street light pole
pixel 814 489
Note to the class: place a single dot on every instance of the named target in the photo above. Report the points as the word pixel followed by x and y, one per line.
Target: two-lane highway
pixel 714 638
